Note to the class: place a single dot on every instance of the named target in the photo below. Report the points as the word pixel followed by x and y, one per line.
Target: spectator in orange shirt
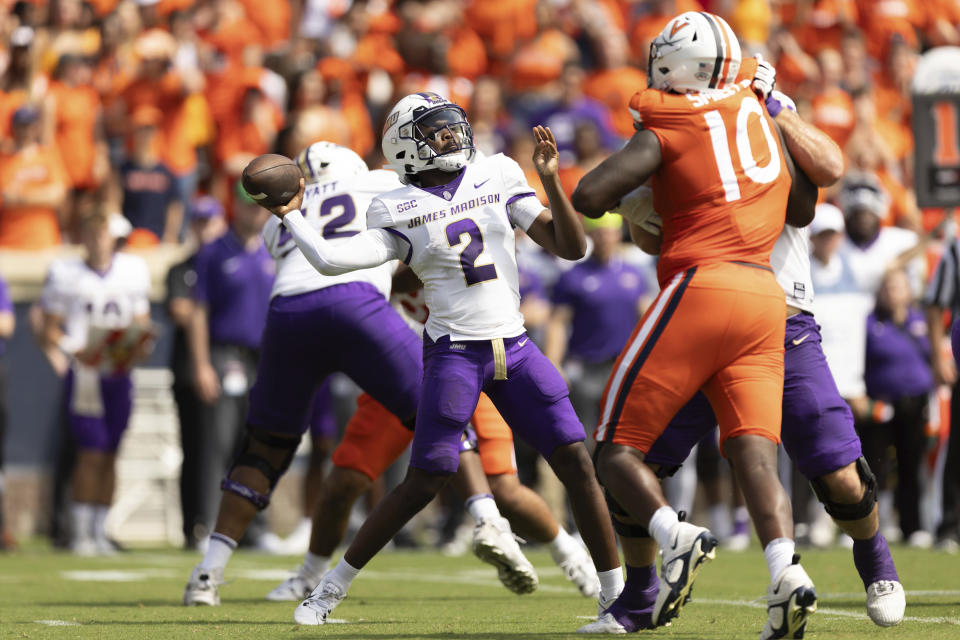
pixel 537 65
pixel 20 83
pixel 832 107
pixel 309 119
pixel 614 82
pixel 157 85
pixel 247 132
pixel 34 184
pixel 77 116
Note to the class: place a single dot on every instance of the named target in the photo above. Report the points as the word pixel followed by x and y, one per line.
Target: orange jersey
pixel 722 185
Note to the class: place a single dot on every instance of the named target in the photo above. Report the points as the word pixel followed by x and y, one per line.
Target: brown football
pixel 271 179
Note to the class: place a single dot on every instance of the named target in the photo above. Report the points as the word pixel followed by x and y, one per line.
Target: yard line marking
pixel 116 575
pixel 58 623
pixel 862 595
pixel 759 604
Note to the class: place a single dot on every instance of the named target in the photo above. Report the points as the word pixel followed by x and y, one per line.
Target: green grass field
pixel 426 595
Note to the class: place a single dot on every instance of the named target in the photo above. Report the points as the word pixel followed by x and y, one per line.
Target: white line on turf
pixel 760 604
pixel 113 575
pixel 58 623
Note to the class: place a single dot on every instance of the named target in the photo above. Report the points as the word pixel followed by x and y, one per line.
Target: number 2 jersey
pixel 335 209
pixel 723 184
pixel 459 239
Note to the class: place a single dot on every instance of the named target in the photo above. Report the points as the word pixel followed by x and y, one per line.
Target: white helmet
pixel 426 131
pixel 326 161
pixel 696 51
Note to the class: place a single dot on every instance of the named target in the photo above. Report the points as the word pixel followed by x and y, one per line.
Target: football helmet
pixel 426 131
pixel 326 161
pixel 696 51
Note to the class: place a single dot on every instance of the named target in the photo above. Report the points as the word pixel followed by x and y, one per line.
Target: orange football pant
pixel 716 327
pixel 374 438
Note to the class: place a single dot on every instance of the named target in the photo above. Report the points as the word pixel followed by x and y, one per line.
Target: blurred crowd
pixel 150 109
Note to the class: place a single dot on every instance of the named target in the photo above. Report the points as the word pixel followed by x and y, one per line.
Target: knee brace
pixel 248 458
pixel 625 529
pixel 856 511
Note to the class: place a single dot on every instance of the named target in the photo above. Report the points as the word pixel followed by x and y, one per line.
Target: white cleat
pixel 791 599
pixel 886 603
pixel 318 605
pixel 203 587
pixel 294 588
pixel 692 547
pixel 578 568
pixel 605 624
pixel 494 543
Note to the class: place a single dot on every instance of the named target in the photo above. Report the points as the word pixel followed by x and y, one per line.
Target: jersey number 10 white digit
pixel 721 148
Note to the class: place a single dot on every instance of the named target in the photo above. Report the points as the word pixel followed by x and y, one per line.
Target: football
pixel 271 179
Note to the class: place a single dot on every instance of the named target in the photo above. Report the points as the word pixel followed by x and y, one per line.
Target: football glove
pixel 777 101
pixel 637 205
pixel 764 79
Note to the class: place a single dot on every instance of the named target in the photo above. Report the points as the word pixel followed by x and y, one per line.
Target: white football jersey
pixel 459 240
pixel 336 210
pixel 86 298
pixel 790 261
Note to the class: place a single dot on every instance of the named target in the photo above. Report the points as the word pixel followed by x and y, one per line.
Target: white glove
pixel 765 77
pixel 652 225
pixel 636 206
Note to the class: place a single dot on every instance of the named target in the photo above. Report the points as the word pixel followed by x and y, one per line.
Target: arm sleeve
pixel 523 206
pixel 271 235
pixel 368 249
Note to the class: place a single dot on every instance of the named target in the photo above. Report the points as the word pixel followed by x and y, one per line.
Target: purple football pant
pixel 533 399
pixel 817 430
pixel 346 327
pixel 322 422
pixel 101 433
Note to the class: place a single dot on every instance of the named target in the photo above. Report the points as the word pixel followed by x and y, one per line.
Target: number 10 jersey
pixel 723 183
pixel 459 239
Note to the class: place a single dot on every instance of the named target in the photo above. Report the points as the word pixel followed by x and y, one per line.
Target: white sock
pixel 82 515
pixel 740 514
pixel 482 507
pixel 314 566
pixel 611 584
pixel 661 524
pixel 779 555
pixel 720 522
pixel 563 546
pixel 342 575
pixel 100 521
pixel 218 552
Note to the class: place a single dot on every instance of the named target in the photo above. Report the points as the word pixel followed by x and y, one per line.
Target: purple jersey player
pixel 315 325
pixel 453 225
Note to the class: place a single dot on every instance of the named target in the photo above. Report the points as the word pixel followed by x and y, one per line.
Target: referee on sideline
pixel 942 294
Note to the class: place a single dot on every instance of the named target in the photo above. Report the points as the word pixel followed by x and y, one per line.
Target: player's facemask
pixel 444 135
